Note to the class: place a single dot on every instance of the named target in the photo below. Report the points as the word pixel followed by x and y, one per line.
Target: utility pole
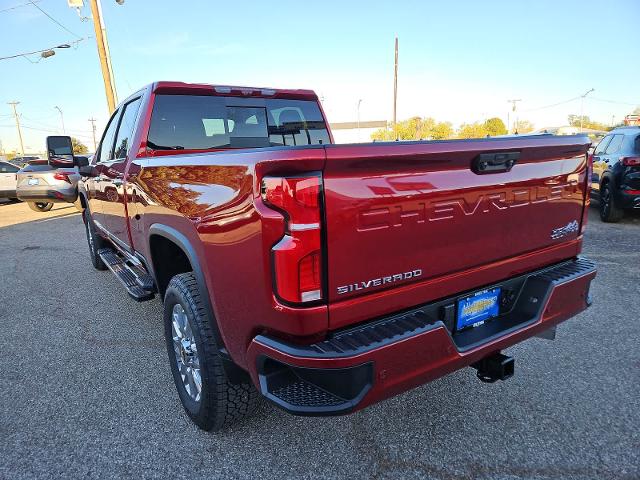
pixel 359 102
pixel 93 129
pixel 61 120
pixel 103 53
pixel 582 106
pixel 395 86
pixel 15 114
pixel 513 108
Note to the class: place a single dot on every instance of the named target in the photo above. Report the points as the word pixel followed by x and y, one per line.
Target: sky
pixel 459 61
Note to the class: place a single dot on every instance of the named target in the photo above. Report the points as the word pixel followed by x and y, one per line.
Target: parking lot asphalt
pixel 86 391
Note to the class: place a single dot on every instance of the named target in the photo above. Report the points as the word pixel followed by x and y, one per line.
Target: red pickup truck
pixel 329 277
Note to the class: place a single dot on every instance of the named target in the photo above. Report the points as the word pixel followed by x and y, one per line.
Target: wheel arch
pixel 605 178
pixel 177 238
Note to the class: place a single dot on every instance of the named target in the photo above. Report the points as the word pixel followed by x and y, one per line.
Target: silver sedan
pixel 41 186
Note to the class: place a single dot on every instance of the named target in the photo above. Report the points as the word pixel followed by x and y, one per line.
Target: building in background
pixel 355 132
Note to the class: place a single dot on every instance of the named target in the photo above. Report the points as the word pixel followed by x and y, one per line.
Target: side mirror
pixel 60 151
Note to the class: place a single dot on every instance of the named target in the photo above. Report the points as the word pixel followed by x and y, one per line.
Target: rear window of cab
pixel 199 122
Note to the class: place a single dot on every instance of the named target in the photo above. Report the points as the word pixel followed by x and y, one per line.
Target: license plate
pixel 475 309
pixel 33 181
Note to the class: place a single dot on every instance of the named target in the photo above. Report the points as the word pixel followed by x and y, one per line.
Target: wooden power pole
pixel 395 86
pixel 15 114
pixel 103 53
pixel 93 130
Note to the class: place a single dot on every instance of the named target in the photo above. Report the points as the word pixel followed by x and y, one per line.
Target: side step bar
pixel 138 283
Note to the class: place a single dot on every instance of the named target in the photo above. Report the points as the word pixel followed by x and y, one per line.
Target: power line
pixel 38 122
pixel 19 6
pixel 64 45
pixel 614 101
pixel 75 133
pixel 54 20
pixel 552 105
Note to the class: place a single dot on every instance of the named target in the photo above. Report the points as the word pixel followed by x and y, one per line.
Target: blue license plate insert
pixel 475 309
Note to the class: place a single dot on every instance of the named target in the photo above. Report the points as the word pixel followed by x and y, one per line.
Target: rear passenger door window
pixel 105 152
pixel 125 130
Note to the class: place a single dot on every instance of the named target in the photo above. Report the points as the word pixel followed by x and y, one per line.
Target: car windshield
pixel 196 122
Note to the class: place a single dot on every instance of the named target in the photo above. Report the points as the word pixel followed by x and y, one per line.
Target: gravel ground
pixel 86 390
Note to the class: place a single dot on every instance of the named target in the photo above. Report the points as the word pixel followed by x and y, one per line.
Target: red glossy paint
pixel 388 209
pixel 422 358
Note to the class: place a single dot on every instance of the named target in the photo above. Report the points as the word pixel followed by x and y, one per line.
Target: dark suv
pixel 616 173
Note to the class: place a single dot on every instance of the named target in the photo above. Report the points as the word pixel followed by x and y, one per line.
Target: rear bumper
pixel 7 194
pixel 626 200
pixel 360 366
pixel 48 194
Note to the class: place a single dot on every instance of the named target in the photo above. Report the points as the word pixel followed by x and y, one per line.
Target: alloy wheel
pixel 605 200
pixel 186 352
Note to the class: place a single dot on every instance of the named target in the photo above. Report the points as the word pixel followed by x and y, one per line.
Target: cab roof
pixel 182 88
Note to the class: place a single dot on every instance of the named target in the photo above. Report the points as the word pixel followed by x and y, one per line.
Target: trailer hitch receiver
pixel 494 367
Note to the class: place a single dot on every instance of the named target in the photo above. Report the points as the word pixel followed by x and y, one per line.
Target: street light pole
pixel 582 106
pixel 61 119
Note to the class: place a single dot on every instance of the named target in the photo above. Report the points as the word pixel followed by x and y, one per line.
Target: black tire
pixel 40 206
pixel 94 241
pixel 609 211
pixel 221 402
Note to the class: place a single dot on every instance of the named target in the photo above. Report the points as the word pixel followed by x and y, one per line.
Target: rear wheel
pixel 94 241
pixel 209 398
pixel 40 206
pixel 609 211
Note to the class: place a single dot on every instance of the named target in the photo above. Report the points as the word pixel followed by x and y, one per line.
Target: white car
pixel 8 180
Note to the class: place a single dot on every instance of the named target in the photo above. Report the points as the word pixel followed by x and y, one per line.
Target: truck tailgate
pixel 401 213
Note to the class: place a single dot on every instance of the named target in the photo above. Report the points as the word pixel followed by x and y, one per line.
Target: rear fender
pixel 234 373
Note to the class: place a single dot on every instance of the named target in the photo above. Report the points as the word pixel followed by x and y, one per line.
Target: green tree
pixel 495 126
pixel 574 121
pixel 442 131
pixel 524 126
pixel 78 146
pixel 472 130
pixel 415 128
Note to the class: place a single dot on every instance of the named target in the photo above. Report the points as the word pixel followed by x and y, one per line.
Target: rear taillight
pixel 587 193
pixel 630 161
pixel 62 176
pixel 297 257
